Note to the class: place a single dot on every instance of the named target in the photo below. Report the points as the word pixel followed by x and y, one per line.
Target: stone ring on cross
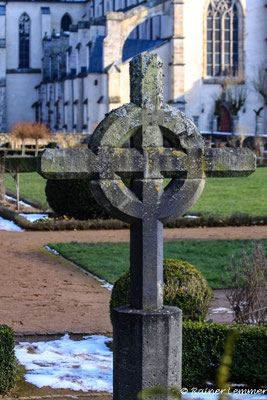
pixel 147 162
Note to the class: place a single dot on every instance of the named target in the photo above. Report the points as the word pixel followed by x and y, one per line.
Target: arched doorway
pixel 225 120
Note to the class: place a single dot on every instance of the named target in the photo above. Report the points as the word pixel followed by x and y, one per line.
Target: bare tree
pixel 234 94
pixel 39 131
pixel 249 285
pixel 260 83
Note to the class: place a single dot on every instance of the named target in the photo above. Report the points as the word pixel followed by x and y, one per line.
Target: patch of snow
pixel 191 216
pixel 68 364
pixel 221 310
pixel 105 284
pixel 52 250
pixel 87 365
pixel 6 225
pixel 33 217
pixel 20 202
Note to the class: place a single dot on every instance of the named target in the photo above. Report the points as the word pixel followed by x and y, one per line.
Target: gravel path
pixel 43 293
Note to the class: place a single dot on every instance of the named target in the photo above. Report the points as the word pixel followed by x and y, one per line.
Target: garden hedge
pixel 203 347
pixel 7 359
pixel 73 198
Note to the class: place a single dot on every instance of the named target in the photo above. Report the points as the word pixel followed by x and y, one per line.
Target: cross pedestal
pixel 144 142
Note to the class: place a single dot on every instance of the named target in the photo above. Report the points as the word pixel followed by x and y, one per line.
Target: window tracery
pixel 222 46
pixel 24 41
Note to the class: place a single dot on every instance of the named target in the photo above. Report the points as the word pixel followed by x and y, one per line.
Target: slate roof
pixel 131 48
pixel 96 58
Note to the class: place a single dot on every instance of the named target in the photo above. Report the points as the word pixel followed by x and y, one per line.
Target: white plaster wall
pixel 2 62
pixel 2 25
pixel 96 111
pixel 200 96
pixel 20 98
pixel 46 24
pixel 68 97
pixel 255 57
pixel 164 53
pixel 14 11
pixel 83 38
pixel 125 83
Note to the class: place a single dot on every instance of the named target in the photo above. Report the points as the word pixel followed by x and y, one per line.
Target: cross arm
pixel 112 163
pixel 229 162
pixel 84 164
pixel 66 164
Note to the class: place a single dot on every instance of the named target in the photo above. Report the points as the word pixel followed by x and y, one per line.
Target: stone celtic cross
pixel 145 142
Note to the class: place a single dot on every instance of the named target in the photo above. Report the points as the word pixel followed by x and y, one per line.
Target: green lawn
pixel 32 185
pixel 110 260
pixel 224 196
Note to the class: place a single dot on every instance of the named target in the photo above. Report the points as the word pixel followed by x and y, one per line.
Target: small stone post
pixel 147 335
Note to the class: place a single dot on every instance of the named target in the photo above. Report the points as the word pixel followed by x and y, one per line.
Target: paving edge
pixel 61 333
pixel 60 397
pixel 32 337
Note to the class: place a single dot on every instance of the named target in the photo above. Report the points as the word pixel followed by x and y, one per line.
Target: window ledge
pixel 24 71
pixel 219 80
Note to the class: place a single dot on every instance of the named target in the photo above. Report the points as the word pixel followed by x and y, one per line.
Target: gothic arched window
pixel 24 41
pixel 222 38
pixel 65 22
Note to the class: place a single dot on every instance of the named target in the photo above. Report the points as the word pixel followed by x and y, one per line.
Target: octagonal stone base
pixel 147 350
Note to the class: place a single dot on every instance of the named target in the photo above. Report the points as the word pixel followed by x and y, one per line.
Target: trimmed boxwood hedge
pixel 7 359
pixel 203 348
pixel 184 287
pixel 73 198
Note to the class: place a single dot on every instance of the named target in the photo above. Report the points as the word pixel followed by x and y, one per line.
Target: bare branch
pixel 260 83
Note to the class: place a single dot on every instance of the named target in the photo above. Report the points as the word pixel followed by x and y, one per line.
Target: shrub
pixel 22 130
pixel 203 348
pixel 27 130
pixel 39 131
pixel 73 199
pixel 184 287
pixel 249 286
pixel 7 359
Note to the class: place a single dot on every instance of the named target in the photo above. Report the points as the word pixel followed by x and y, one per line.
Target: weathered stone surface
pixel 126 163
pixel 146 349
pixel 146 82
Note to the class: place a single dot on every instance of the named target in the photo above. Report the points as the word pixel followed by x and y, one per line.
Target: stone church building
pixel 65 62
